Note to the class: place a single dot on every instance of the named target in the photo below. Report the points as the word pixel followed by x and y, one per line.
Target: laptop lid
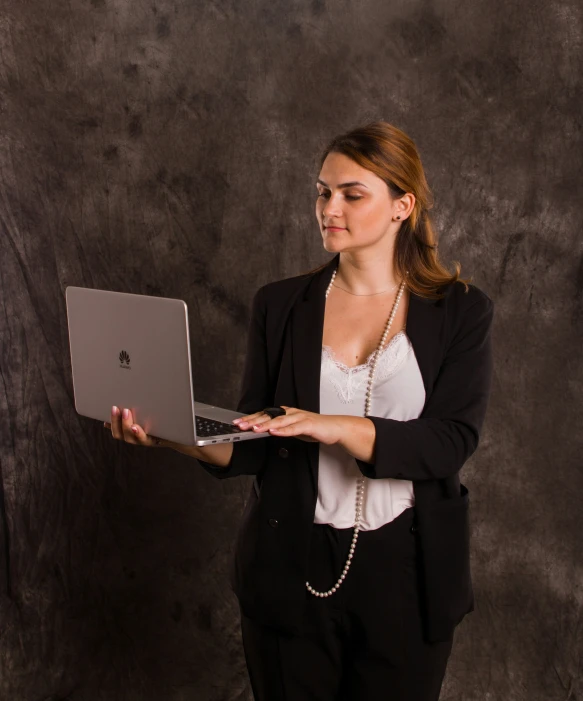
pixel 132 351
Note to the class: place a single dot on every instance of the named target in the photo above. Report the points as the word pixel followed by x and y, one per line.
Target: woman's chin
pixel 332 244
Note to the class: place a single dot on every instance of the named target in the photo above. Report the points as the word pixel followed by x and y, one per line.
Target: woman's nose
pixel 331 208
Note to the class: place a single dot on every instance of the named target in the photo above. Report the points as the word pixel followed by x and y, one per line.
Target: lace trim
pixel 347 381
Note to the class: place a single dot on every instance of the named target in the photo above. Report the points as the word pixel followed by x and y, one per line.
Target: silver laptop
pixel 133 351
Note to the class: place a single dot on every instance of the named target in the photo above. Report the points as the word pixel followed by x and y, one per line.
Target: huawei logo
pixel 124 358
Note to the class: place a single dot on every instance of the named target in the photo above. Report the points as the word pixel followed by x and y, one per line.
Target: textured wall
pixel 169 148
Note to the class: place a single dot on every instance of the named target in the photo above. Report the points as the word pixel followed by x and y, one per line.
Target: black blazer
pixel 452 342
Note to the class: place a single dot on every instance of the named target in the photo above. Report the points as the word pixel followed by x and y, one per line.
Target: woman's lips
pixel 333 228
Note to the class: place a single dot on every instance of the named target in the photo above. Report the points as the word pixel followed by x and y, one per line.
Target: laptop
pixel 133 351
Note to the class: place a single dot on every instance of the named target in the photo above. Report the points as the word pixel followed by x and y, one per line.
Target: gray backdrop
pixel 170 149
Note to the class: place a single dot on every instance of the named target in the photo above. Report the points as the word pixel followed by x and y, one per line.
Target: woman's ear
pixel 405 206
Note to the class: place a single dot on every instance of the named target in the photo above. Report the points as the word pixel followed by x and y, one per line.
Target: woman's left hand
pixel 305 425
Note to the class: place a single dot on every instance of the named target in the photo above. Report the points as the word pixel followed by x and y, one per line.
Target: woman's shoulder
pixel 468 310
pixel 458 297
pixel 463 296
pixel 282 292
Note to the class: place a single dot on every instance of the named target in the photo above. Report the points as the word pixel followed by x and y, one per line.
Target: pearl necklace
pixel 360 483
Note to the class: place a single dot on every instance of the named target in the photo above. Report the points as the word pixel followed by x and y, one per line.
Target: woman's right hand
pixel 124 429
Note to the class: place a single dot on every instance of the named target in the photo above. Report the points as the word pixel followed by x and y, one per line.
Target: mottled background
pixel 170 148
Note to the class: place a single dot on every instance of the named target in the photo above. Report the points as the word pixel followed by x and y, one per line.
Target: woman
pixel 372 375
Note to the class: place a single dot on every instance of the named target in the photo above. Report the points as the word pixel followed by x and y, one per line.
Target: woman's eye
pixel 348 197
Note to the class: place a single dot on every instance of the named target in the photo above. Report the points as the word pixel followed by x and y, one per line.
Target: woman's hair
pixel 391 155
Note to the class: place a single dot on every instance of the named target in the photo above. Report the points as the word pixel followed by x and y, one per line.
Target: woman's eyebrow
pixel 355 182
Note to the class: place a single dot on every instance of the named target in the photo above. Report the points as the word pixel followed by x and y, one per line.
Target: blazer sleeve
pixel 249 456
pixel 438 443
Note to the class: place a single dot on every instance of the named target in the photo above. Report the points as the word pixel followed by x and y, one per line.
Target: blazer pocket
pixel 444 534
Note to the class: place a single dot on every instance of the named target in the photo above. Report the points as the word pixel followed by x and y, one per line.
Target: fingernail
pixel 244 423
pixel 125 413
pixel 114 410
pixel 236 421
pixel 134 429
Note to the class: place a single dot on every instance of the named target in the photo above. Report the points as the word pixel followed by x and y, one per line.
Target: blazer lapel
pixel 307 334
pixel 424 329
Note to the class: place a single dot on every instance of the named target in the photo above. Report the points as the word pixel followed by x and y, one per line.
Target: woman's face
pixel 354 207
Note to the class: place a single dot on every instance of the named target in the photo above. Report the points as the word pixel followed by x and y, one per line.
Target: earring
pixel 398 217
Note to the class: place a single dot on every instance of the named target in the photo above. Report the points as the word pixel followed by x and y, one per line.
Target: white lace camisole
pixel 397 393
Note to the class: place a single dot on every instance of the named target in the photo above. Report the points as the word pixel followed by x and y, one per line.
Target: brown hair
pixel 391 155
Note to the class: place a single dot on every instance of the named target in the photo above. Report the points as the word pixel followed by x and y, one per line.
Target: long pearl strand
pixel 361 480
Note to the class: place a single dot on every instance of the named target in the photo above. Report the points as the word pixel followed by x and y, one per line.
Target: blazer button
pixel 413 528
pixel 283 452
pixel 273 522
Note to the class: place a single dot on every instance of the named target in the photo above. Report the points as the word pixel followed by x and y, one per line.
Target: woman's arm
pixel 438 443
pixel 357 436
pixel 217 455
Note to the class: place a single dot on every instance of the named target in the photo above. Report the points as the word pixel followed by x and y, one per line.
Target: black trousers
pixel 362 643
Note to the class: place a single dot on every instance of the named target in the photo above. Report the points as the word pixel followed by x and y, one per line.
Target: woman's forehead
pixel 339 170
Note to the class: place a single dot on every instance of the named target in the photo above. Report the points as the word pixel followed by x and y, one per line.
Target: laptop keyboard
pixel 208 427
